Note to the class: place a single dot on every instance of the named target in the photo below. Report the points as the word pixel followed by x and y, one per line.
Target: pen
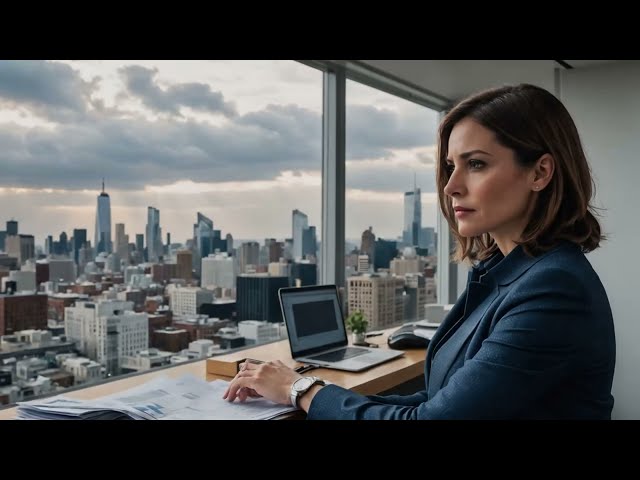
pixel 305 368
pixel 373 334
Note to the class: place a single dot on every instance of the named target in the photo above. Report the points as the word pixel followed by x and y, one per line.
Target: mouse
pixel 405 338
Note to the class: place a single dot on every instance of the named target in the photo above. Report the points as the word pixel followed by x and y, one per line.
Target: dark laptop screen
pixel 313 318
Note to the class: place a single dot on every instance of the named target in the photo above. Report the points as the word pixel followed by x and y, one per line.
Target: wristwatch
pixel 302 386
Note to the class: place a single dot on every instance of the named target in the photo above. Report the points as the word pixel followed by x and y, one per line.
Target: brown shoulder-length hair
pixel 530 121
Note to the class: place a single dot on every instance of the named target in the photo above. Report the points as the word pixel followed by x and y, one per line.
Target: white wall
pixel 605 103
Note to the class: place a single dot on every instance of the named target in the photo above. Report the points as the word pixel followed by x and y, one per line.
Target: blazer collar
pixel 503 270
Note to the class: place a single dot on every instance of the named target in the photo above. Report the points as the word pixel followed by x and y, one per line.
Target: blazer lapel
pixel 479 297
pixel 449 321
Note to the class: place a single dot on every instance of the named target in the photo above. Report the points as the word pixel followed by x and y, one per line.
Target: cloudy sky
pixel 238 140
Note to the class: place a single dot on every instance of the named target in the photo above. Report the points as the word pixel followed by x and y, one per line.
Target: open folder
pixel 163 398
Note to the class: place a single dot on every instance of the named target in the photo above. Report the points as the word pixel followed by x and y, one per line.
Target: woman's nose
pixel 454 185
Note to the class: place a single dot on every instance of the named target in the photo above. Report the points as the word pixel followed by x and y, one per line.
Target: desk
pixel 372 381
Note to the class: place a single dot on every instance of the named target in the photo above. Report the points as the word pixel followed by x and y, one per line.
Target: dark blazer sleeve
pixel 535 344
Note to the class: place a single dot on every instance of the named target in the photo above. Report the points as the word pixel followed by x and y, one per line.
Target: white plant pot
pixel 358 337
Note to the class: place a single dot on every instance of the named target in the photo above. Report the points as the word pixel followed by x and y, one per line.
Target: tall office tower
pixel 428 239
pixel 257 297
pixel 122 243
pixel 3 236
pixel 140 243
pixel 79 239
pixel 63 244
pixel 275 250
pixel 21 247
pixel 379 298
pixel 12 227
pixel 368 245
pixel 309 242
pixel 299 221
pixel 218 243
pixel 154 239
pixel 287 250
pixel 102 240
pixel 412 217
pixel 203 235
pixel 184 261
pixel 248 254
pixel 48 245
pixel 229 239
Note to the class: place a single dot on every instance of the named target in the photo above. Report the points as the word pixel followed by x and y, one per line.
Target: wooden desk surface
pixel 369 382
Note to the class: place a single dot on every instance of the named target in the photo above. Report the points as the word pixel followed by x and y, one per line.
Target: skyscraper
pixel 368 244
pixel 103 223
pixel 12 227
pixel 140 242
pixel 79 239
pixel 122 243
pixel 412 217
pixel 154 235
pixel 309 241
pixel 299 221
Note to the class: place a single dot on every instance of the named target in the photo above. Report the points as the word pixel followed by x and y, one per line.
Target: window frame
pixel 335 74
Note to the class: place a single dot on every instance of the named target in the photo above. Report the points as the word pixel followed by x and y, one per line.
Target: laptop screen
pixel 313 318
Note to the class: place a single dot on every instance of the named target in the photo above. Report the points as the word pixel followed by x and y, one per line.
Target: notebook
pixel 317 333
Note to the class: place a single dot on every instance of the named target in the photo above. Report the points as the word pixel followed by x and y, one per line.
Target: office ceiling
pixel 587 63
pixel 455 79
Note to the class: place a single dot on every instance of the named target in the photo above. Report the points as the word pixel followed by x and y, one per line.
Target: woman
pixel 532 336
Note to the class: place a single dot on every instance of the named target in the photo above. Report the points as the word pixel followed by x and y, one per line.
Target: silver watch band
pixel 296 394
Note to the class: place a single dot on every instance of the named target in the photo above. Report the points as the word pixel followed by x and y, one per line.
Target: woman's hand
pixel 271 380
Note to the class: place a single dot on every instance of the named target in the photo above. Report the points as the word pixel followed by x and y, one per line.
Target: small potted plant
pixel 357 324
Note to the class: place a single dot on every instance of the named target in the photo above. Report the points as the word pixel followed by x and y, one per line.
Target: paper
pixel 163 398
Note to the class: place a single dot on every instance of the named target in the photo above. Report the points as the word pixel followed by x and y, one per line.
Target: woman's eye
pixel 476 164
pixel 449 169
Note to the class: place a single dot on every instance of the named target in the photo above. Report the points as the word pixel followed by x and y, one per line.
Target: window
pixel 179 190
pixel 390 206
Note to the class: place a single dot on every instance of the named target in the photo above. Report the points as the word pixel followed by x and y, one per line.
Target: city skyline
pixel 199 136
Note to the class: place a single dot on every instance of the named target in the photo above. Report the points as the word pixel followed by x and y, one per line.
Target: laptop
pixel 317 334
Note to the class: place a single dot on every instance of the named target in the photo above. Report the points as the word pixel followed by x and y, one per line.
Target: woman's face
pixel 489 192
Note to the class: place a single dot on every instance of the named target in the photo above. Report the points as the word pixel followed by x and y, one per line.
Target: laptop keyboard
pixel 338 355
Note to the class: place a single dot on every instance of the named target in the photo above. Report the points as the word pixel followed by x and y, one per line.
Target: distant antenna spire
pixel 102 184
pixel 414 181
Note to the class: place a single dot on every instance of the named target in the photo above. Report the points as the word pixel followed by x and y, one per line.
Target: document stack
pixel 163 398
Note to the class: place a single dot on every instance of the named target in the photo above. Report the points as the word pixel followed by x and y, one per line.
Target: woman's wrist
pixel 305 401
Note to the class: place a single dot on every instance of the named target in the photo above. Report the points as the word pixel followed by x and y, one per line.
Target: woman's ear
pixel 543 172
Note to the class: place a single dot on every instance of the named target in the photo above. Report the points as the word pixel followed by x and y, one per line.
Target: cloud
pixel 132 151
pixel 51 90
pixel 198 96
pixel 374 132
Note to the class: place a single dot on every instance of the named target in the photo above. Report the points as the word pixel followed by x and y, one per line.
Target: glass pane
pixel 156 206
pixel 390 225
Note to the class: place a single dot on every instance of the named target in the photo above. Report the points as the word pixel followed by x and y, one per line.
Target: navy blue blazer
pixel 530 338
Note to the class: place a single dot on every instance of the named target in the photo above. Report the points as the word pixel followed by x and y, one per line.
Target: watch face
pixel 302 384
